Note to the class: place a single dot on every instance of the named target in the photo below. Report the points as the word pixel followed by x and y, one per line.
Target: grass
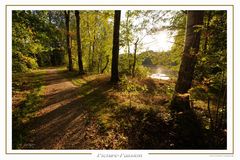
pixel 28 87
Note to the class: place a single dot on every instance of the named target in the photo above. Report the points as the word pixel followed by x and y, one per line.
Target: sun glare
pixel 157 42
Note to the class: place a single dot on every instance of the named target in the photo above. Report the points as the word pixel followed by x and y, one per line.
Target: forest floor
pixel 54 109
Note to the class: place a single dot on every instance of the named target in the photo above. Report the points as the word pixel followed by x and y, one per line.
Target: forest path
pixel 61 122
pixel 94 114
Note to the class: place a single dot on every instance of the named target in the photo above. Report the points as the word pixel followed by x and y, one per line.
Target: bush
pixel 19 67
pixel 31 63
pixel 142 71
pixel 22 63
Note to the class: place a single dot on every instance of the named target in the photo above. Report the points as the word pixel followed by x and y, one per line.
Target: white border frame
pixel 229 9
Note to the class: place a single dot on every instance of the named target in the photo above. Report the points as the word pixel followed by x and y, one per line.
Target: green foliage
pixel 198 93
pixel 123 64
pixel 96 35
pixel 142 71
pixel 211 66
pixel 22 63
pixel 129 85
pixel 34 39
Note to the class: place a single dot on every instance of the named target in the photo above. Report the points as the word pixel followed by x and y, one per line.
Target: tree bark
pixel 180 99
pixel 107 57
pixel 89 57
pixel 93 52
pixel 100 62
pixel 127 39
pixel 79 44
pixel 115 49
pixel 89 47
pixel 134 58
pixel 67 19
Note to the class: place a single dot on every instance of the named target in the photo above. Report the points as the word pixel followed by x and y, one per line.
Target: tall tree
pixel 79 45
pixel 115 49
pixel 67 20
pixel 180 99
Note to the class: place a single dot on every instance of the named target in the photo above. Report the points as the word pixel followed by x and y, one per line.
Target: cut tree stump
pixel 180 102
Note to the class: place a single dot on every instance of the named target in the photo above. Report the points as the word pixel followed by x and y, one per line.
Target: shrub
pixel 142 71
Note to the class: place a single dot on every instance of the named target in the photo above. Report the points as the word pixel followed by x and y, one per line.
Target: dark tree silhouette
pixel 115 49
pixel 67 20
pixel 79 45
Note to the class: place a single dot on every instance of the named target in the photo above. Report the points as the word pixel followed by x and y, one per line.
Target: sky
pixel 158 42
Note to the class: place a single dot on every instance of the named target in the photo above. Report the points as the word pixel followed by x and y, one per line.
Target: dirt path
pixel 94 116
pixel 61 123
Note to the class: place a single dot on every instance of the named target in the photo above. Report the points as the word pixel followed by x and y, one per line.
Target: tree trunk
pixel 93 52
pixel 127 39
pixel 107 57
pixel 180 99
pixel 79 45
pixel 89 56
pixel 50 17
pixel 115 49
pixel 100 62
pixel 89 47
pixel 67 18
pixel 206 33
pixel 134 58
pixel 129 58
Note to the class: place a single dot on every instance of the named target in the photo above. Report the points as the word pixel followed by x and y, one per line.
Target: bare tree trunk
pixel 180 99
pixel 89 47
pixel 107 57
pixel 89 56
pixel 209 113
pixel 79 44
pixel 219 101
pixel 206 34
pixel 100 62
pixel 134 58
pixel 128 43
pixel 115 50
pixel 50 17
pixel 67 18
pixel 93 52
pixel 129 58
pixel 223 108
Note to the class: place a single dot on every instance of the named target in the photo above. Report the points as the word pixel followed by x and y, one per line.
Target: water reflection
pixel 159 76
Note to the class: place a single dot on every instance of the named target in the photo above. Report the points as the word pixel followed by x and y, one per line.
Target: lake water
pixel 159 76
pixel 159 73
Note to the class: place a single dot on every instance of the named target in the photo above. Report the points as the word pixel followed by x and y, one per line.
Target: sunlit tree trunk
pixel 115 49
pixel 79 45
pixel 67 19
pixel 180 99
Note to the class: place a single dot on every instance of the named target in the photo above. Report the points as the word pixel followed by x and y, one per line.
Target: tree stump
pixel 180 102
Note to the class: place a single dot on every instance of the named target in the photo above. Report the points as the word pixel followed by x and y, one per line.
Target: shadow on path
pixel 64 117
